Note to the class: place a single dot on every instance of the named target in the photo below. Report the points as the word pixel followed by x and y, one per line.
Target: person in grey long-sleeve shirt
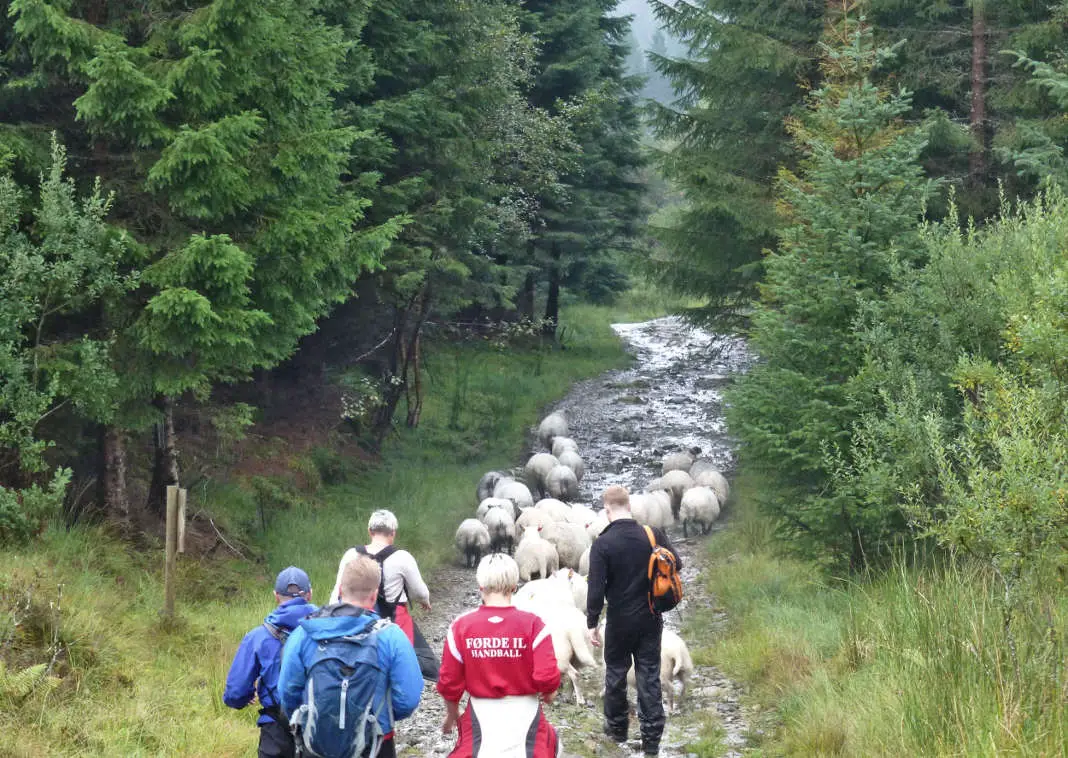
pixel 619 565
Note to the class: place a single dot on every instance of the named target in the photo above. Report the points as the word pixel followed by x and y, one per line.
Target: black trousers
pixel 276 741
pixel 627 643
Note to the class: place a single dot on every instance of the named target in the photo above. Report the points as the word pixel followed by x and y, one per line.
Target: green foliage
pixel 66 264
pixel 25 512
pixel 850 221
pixel 724 140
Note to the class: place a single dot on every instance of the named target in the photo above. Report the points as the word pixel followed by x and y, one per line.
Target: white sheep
pixel 567 628
pixel 515 491
pixel 554 590
pixel 570 541
pixel 598 525
pixel 677 462
pixel 715 480
pixel 676 483
pixel 675 664
pixel 659 510
pixel 639 507
pixel 583 515
pixel 501 527
pixel 535 556
pixel 557 510
pixel 531 517
pixel 552 426
pixel 577 585
pixel 562 444
pixel 584 562
pixel 701 465
pixel 493 502
pixel 472 540
pixel 700 507
pixel 537 471
pixel 488 482
pixel 573 461
pixel 562 484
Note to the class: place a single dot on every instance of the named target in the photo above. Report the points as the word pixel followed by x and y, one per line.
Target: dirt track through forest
pixel 624 422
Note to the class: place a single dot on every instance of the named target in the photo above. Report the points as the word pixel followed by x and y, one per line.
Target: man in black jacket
pixel 619 565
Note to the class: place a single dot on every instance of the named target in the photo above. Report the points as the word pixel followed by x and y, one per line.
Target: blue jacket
pixel 395 655
pixel 255 667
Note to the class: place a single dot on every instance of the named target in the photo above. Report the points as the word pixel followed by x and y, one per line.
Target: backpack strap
pixel 387 606
pixel 652 544
pixel 652 564
pixel 276 631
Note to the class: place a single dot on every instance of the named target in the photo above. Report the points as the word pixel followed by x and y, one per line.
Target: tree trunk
pixel 415 406
pixel 977 159
pixel 552 302
pixel 165 470
pixel 524 302
pixel 113 476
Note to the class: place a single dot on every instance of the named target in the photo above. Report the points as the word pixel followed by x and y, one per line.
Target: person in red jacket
pixel 503 657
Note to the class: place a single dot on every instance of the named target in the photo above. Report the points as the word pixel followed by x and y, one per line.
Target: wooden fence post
pixel 181 520
pixel 172 551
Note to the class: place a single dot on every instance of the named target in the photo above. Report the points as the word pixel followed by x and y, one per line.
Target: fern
pixel 16 686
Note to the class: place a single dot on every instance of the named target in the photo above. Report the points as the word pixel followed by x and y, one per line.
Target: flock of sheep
pixel 555 533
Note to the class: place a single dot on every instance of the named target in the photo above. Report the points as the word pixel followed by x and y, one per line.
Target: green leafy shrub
pixel 23 513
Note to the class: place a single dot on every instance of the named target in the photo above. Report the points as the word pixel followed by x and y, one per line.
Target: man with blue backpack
pixel 347 675
pixel 254 672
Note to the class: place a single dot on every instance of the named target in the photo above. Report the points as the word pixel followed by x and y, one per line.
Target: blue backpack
pixel 339 716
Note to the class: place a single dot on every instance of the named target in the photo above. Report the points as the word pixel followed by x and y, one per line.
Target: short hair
pixel 497 572
pixel 360 578
pixel 382 522
pixel 617 497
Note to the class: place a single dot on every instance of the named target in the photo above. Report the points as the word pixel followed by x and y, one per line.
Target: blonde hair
pixel 617 498
pixel 497 572
pixel 360 578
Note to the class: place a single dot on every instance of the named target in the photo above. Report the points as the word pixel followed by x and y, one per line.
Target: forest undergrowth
pixel 90 669
pixel 917 660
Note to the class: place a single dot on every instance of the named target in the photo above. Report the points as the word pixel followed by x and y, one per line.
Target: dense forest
pixel 237 194
pixel 216 214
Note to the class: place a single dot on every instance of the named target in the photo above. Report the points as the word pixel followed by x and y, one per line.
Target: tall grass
pixel 913 662
pixel 133 686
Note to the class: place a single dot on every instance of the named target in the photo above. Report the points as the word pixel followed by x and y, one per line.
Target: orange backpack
pixel 665 584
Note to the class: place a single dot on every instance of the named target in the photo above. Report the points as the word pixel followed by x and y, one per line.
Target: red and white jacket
pixel 503 658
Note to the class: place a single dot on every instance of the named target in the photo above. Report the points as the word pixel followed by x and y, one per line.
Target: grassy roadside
pixel 912 662
pixel 126 685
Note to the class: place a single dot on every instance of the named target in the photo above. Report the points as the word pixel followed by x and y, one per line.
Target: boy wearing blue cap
pixel 254 671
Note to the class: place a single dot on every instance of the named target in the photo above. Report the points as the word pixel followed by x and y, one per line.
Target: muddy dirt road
pixel 624 422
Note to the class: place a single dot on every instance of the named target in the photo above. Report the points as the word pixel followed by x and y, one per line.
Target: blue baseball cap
pixel 288 577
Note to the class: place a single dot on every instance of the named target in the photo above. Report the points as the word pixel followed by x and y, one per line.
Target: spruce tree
pixel 587 232
pixel 724 139
pixel 850 217
pixel 218 126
